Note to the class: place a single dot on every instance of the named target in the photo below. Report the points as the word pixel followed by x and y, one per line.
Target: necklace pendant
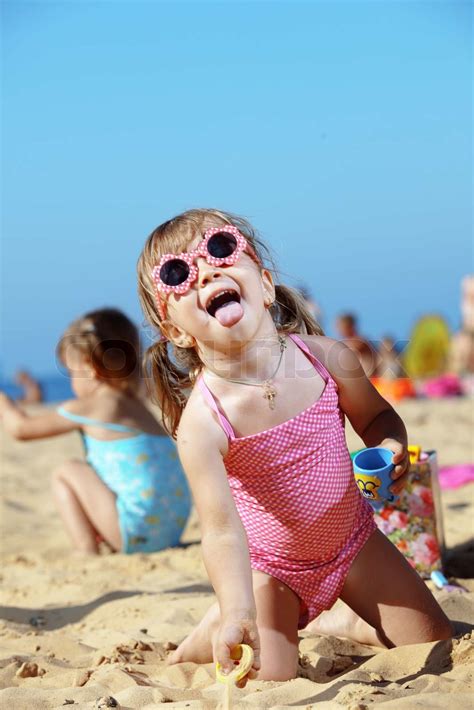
pixel 269 392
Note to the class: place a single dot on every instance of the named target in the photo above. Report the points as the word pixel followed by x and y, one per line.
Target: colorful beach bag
pixel 414 522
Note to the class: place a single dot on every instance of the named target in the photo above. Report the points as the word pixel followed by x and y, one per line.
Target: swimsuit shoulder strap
pixel 78 419
pixel 317 364
pixel 209 397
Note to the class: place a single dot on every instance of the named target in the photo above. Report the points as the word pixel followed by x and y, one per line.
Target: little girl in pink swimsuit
pixel 285 532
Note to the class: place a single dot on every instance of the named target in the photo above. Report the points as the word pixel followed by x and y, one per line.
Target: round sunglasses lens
pixel 221 245
pixel 174 272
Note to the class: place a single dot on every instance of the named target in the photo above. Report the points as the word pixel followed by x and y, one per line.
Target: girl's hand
pixel 401 459
pixel 235 628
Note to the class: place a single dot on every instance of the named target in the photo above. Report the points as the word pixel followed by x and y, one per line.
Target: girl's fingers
pixel 222 652
pixel 402 464
pixel 251 675
pixel 399 477
pixel 400 469
pixel 398 450
pixel 222 655
pixel 254 641
pixel 399 485
pixel 400 459
pixel 231 637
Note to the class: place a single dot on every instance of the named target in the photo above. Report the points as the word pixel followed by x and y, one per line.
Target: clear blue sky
pixel 341 129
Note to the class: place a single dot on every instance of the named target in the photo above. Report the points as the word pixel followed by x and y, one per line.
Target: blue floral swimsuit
pixel 153 498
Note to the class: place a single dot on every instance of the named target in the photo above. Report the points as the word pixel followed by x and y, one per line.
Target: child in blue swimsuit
pixel 131 490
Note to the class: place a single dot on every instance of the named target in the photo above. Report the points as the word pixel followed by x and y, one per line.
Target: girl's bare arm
pixel 224 541
pixel 372 417
pixel 24 426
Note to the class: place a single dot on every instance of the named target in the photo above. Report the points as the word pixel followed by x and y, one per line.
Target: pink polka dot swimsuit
pixel 295 492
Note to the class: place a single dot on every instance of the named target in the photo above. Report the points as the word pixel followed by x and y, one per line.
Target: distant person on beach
pixel 31 389
pixel 388 362
pixel 462 343
pixel 285 531
pixel 131 491
pixel 346 325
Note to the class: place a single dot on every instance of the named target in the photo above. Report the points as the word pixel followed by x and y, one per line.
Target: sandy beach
pixel 75 630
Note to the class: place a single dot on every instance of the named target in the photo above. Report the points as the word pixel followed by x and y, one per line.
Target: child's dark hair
pixel 109 341
pixel 174 376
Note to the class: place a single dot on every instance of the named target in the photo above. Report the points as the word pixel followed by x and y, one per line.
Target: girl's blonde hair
pixel 174 370
pixel 109 341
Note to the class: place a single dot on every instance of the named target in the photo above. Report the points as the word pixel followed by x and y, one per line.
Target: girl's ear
pixel 93 373
pixel 89 367
pixel 268 288
pixel 177 335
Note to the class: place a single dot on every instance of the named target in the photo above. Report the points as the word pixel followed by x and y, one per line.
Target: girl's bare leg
pixel 86 505
pixel 197 647
pixel 278 611
pixel 390 605
pixel 342 621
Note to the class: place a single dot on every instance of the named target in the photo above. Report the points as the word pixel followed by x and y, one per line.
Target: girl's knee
pixel 278 666
pixel 56 477
pixel 439 627
pixel 61 480
pixel 60 490
pixel 436 628
pixel 442 630
pixel 63 471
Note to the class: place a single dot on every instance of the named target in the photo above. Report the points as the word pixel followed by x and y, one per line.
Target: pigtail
pixel 167 384
pixel 291 314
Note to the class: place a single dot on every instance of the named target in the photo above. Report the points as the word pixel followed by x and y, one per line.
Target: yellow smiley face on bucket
pixel 368 485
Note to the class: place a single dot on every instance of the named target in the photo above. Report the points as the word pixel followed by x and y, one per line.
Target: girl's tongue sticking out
pixel 229 314
pixel 226 308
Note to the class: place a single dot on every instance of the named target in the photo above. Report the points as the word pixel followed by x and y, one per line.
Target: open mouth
pixel 222 299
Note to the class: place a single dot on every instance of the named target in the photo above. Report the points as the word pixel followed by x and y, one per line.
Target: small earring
pixel 185 341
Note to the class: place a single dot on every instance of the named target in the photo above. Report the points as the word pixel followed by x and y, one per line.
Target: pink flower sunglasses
pixel 220 246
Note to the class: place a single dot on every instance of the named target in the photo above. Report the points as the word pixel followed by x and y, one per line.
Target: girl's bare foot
pixel 197 647
pixel 343 622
